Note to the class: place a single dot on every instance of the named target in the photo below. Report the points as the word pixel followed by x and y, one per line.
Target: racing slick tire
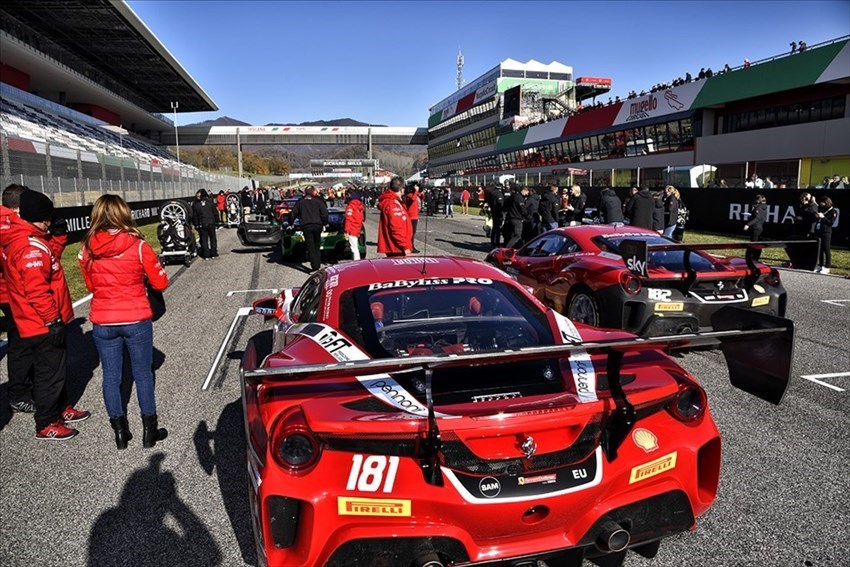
pixel 583 307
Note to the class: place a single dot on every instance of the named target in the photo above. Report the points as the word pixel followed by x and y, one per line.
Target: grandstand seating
pixel 20 120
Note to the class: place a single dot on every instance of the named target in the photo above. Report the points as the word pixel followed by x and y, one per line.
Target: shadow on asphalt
pixel 151 525
pixel 253 250
pixel 222 451
pixel 476 246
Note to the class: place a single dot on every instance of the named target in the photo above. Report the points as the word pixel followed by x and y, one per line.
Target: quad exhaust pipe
pixel 613 539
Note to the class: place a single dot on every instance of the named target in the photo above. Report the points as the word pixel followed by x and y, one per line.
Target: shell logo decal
pixel 645 439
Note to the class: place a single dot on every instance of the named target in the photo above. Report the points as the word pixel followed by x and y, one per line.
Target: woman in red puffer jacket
pixel 116 261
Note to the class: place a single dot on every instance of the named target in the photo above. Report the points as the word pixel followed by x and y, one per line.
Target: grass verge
pixel 772 256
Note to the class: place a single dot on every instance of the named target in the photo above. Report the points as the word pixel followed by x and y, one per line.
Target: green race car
pixel 334 243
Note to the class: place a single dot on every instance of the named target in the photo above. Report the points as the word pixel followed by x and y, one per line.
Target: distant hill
pixel 335 122
pixel 228 121
pixel 221 121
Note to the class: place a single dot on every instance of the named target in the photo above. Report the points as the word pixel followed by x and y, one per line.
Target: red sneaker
pixel 72 415
pixel 56 431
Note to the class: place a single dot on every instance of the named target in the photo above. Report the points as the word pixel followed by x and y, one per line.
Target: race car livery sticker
pixel 541 478
pixel 758 288
pixel 506 488
pixel 759 301
pixel 496 397
pixel 414 261
pixel 569 333
pixel 367 474
pixel 581 366
pixel 372 507
pixel 645 439
pixel 673 306
pixel 429 282
pixel 382 385
pixel 653 468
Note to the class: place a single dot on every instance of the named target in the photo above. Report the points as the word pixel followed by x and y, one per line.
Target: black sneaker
pixel 415 251
pixel 22 407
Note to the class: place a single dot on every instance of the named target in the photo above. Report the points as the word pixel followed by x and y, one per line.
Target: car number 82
pixel 370 473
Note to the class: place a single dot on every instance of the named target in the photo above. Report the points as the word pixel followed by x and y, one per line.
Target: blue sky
pixel 388 62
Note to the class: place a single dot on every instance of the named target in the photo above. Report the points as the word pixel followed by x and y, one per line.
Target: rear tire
pixel 583 307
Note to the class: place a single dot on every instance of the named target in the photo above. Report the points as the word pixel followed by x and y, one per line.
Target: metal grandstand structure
pixel 92 54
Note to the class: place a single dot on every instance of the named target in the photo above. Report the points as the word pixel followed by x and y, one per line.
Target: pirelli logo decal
pixel 652 468
pixel 674 306
pixel 758 301
pixel 372 507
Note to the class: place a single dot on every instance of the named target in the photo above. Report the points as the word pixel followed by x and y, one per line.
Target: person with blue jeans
pixel 671 210
pixel 117 265
pixel 449 201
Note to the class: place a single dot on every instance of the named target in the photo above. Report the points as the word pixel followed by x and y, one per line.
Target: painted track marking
pixel 243 311
pixel 231 292
pixel 836 302
pixel 815 378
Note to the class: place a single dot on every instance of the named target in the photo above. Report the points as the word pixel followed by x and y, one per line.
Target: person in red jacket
pixel 41 306
pixel 354 218
pixel 221 207
pixel 20 377
pixel 394 230
pixel 411 201
pixel 116 262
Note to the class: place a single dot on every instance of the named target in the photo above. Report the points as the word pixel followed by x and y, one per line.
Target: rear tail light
pixel 772 277
pixel 689 403
pixel 631 283
pixel 294 446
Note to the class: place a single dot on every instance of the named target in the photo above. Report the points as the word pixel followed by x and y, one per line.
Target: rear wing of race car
pixel 758 349
pixel 802 254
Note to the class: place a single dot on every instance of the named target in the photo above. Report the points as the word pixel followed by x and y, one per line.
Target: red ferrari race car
pixel 634 279
pixel 429 412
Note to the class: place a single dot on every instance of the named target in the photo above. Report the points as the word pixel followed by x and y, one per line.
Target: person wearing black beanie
pixel 41 305
pixel 35 207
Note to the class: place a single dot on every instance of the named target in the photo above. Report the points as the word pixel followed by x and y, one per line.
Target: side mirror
pixel 267 307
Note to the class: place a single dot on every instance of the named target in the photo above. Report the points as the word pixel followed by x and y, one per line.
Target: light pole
pixel 174 105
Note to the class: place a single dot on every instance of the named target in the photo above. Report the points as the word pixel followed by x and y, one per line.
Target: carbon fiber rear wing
pixel 758 349
pixel 636 252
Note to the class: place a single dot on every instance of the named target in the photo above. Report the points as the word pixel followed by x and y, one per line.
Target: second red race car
pixel 431 412
pixel 631 278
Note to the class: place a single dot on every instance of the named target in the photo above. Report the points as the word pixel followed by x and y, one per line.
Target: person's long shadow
pixel 223 451
pixel 151 526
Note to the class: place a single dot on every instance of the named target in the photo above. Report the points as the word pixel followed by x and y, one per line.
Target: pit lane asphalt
pixel 783 493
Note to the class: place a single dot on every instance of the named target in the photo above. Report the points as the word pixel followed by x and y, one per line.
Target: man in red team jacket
pixel 394 229
pixel 41 305
pixel 354 218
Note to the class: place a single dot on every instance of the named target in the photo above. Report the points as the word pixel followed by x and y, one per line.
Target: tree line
pixel 216 158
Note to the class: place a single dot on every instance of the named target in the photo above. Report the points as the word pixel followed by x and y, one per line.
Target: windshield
pixel 673 260
pixel 441 316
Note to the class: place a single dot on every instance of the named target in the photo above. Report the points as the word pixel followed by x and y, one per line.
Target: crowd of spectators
pixel 704 73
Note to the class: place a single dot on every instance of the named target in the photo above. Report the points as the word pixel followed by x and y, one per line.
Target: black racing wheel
pixel 583 307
